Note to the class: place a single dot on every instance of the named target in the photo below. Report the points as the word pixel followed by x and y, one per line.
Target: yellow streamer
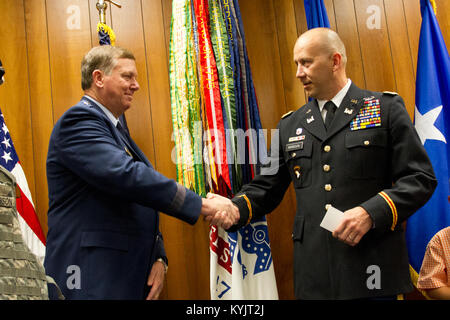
pixel 106 29
pixel 433 4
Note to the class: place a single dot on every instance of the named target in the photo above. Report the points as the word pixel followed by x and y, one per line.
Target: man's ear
pixel 98 78
pixel 337 61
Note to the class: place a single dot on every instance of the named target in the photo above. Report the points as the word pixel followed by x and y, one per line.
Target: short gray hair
pixel 102 58
pixel 337 45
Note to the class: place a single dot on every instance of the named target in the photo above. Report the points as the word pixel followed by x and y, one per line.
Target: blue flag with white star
pixel 432 122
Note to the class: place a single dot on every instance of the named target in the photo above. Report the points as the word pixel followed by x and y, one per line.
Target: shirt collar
pixel 108 113
pixel 337 100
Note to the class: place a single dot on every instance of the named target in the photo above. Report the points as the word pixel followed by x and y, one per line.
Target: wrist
pixel 206 206
pixel 368 218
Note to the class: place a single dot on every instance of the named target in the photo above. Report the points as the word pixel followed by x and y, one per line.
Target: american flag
pixel 29 223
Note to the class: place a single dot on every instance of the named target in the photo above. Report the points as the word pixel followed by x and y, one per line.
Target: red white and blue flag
pixel 241 265
pixel 29 223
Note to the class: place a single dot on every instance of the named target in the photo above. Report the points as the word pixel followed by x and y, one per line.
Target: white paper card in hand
pixel 332 219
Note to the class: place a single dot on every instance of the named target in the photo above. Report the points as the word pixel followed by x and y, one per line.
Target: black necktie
pixel 331 109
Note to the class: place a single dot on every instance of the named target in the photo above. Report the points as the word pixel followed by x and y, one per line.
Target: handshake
pixel 220 211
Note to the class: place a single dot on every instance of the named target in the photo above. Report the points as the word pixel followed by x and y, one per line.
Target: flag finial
pixel 102 6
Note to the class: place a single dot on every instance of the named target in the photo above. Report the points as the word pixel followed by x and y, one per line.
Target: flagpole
pixel 102 6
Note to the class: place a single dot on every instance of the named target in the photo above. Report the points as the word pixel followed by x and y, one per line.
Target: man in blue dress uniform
pixel 103 240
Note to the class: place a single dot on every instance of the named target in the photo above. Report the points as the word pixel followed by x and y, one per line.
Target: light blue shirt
pixel 108 113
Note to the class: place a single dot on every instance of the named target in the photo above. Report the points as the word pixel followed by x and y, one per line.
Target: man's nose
pixel 300 71
pixel 135 85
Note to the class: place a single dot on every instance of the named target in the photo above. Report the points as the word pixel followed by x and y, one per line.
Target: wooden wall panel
pixel 42 54
pixel 300 17
pixel 347 28
pixel 259 19
pixel 158 83
pixel 329 5
pixel 374 44
pixel 69 39
pixel 413 23
pixel 287 35
pixel 40 99
pixel 401 57
pixel 443 16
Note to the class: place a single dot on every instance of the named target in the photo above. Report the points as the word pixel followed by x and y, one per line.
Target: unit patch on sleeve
pixel 369 116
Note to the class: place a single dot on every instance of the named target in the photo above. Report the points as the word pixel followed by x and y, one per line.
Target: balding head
pixel 326 39
pixel 321 58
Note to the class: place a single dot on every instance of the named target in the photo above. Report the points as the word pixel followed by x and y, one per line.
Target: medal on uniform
pixel 369 116
pixel 348 111
pixel 298 131
pixel 297 171
pixel 128 152
pixel 297 138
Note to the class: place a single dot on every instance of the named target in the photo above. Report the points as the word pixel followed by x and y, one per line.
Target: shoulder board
pixel 390 93
pixel 286 114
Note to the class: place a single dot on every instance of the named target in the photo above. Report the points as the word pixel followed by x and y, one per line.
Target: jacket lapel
pixel 312 120
pixel 349 108
pixel 139 153
pixel 129 144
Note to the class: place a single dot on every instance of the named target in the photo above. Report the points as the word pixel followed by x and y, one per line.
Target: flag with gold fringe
pixel 106 35
pixel 186 100
pixel 218 136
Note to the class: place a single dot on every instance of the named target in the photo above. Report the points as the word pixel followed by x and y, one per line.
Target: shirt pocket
pixel 299 162
pixel 367 153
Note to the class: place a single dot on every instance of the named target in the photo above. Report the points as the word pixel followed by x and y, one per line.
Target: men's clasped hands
pixel 220 211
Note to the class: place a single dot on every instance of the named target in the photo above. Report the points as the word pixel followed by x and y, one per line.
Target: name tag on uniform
pixel 294 146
